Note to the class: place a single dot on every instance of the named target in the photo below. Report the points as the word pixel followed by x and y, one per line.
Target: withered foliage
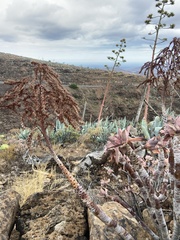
pixel 41 100
pixel 165 69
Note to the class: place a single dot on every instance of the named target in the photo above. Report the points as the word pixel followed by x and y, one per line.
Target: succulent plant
pixel 24 133
pixel 152 128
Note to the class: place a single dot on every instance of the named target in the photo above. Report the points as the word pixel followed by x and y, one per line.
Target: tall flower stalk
pixel 158 26
pixel 117 63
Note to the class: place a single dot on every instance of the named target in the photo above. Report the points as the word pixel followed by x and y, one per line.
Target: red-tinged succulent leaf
pixel 120 138
pixel 153 144
pixel 177 125
pixel 115 155
pixel 171 128
pixel 125 134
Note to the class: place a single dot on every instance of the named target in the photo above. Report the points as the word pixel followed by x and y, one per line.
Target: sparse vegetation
pixel 29 183
pixel 7 153
pixel 120 146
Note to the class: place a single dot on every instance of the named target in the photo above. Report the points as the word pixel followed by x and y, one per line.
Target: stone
pixel 148 220
pixel 9 208
pixel 53 214
pixel 91 159
pixel 98 230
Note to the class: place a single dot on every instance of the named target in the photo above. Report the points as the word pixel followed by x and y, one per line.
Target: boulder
pixel 98 230
pixel 9 208
pixel 53 214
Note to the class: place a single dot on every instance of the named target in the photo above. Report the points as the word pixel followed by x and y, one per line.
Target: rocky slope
pixel 123 98
pixel 56 212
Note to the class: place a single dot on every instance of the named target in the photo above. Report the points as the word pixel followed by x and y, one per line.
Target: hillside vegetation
pixel 86 85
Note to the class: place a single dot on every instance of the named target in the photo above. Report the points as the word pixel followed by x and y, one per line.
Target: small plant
pixel 66 135
pixel 73 86
pixel 4 146
pixel 63 134
pixel 24 133
pixel 152 128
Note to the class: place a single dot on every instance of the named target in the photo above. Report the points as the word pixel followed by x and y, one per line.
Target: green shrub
pixel 24 133
pixel 99 132
pixel 152 128
pixel 66 135
pixel 63 134
pixel 73 86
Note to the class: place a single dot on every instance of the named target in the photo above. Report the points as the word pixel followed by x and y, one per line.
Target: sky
pixel 80 32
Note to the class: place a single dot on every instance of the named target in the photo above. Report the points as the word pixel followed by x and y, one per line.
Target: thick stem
pixel 156 208
pixel 135 176
pixel 133 213
pixel 176 199
pixel 145 182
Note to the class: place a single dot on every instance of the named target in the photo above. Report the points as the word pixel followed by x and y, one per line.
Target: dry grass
pixel 8 154
pixel 32 182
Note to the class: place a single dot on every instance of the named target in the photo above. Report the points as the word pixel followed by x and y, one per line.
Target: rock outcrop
pixel 53 214
pixel 98 230
pixel 9 207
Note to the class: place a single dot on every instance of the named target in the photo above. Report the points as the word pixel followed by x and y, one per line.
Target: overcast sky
pixel 79 31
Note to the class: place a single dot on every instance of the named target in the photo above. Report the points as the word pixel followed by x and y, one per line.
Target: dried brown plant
pixel 165 71
pixel 41 100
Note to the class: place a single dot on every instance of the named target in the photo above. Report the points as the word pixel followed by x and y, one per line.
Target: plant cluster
pixel 95 132
pixel 152 128
pixel 63 134
pixel 157 177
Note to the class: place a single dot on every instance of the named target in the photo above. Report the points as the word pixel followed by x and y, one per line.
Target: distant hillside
pixel 124 96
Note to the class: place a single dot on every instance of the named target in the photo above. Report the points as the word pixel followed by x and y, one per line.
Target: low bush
pixel 73 86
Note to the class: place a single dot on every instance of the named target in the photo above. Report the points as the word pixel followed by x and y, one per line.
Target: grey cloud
pixel 8 37
pixel 41 21
pixel 26 11
pixel 91 25
pixel 55 32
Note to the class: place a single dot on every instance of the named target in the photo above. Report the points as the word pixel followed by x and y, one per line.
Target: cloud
pixel 78 29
